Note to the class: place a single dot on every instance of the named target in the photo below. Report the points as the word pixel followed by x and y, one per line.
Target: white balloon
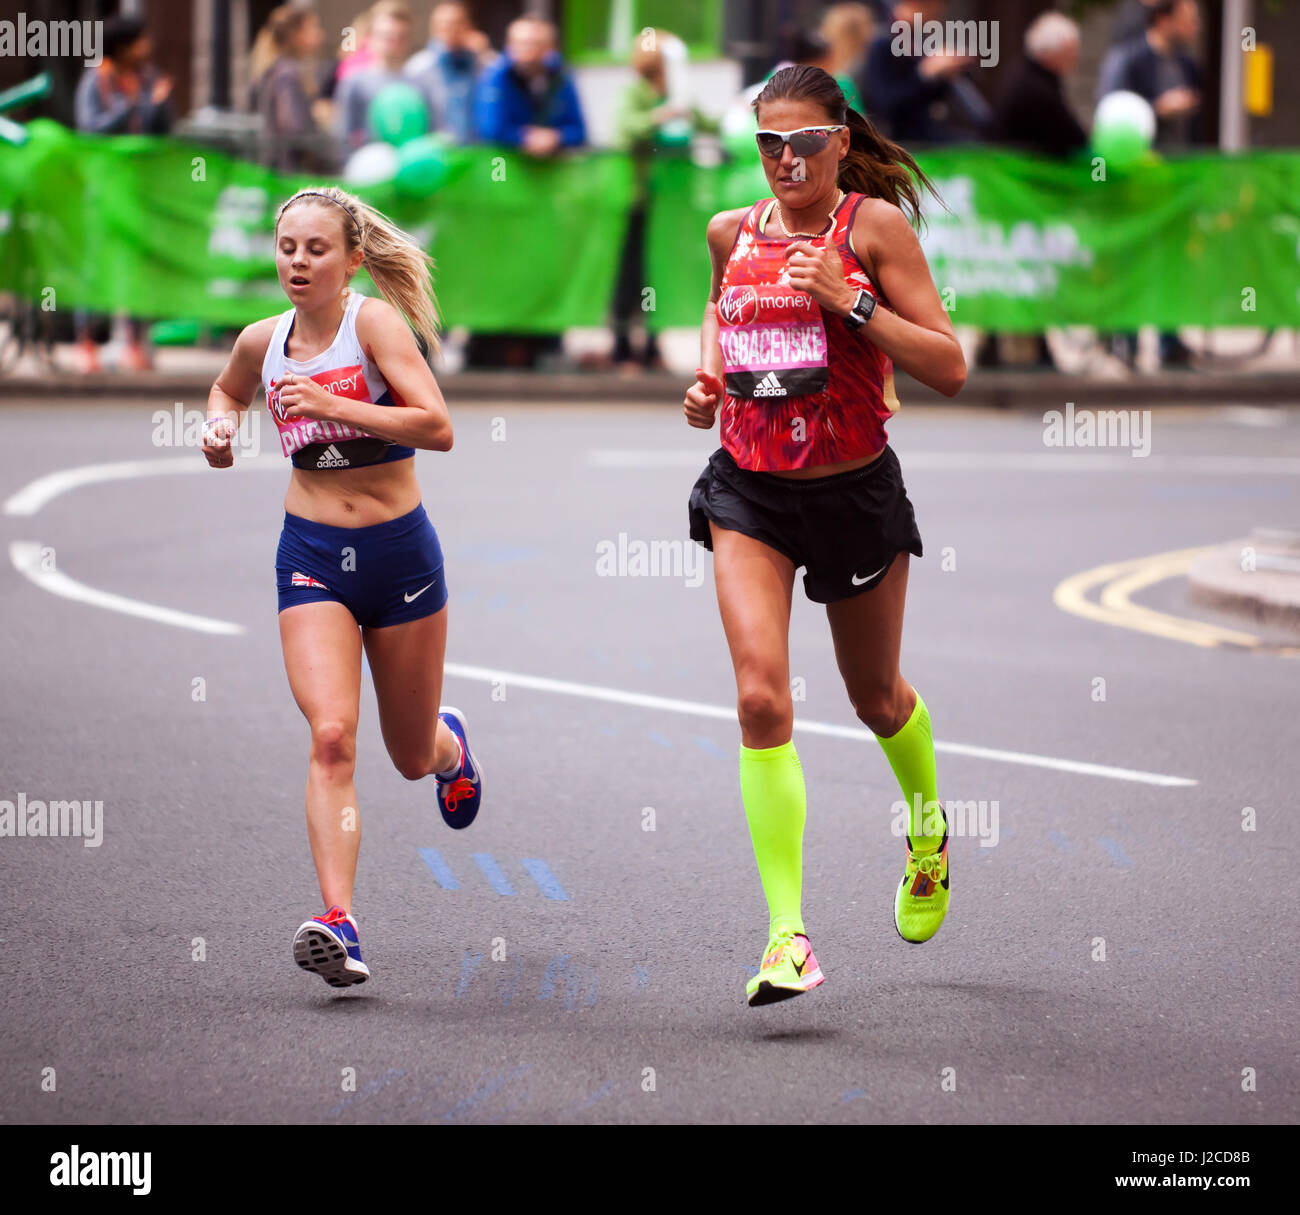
pixel 371 164
pixel 739 119
pixel 1124 109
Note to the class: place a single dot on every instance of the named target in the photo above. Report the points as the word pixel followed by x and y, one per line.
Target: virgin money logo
pixel 738 305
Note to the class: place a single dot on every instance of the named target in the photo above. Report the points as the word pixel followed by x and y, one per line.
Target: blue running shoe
pixel 459 795
pixel 327 945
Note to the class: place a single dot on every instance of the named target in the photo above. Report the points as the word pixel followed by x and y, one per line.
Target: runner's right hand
pixel 702 397
pixel 217 433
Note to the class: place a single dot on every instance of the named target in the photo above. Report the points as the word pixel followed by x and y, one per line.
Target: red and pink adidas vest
pixel 802 389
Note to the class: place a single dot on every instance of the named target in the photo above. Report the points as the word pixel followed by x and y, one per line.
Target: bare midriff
pixel 827 470
pixel 354 497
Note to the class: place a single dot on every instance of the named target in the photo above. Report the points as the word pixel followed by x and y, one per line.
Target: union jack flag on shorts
pixel 306 580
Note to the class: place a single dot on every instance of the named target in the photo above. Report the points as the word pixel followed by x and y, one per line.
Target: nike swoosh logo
pixel 863 581
pixel 413 598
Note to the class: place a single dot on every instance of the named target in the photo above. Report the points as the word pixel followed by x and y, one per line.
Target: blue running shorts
pixel 387 574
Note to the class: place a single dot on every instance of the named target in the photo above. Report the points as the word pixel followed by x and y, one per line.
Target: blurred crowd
pixel 320 105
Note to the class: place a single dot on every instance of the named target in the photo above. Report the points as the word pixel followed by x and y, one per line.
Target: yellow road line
pixel 1121 579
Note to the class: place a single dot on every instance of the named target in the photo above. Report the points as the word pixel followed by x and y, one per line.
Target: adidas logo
pixel 769 386
pixel 332 458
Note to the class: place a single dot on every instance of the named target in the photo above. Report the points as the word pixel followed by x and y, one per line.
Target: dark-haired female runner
pixel 817 293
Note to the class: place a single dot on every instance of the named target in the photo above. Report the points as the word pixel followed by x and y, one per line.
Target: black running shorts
pixel 846 528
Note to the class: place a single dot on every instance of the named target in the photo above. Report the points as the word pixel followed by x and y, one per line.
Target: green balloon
pixel 741 144
pixel 398 113
pixel 1121 145
pixel 174 333
pixel 421 166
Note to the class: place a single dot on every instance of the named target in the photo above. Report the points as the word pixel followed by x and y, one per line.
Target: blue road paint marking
pixel 393 1073
pixel 438 867
pixel 492 871
pixel 662 739
pixel 750 971
pixel 599 1095
pixel 507 981
pixel 556 967
pixel 1115 850
pixel 577 976
pixel 485 1090
pixel 852 1095
pixel 1061 842
pixel 469 964
pixel 545 879
pixel 708 746
pixel 642 975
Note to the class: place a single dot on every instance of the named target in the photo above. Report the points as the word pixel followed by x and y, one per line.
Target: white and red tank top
pixel 343 370
pixel 802 389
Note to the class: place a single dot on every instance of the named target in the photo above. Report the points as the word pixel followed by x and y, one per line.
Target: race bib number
pixel 773 341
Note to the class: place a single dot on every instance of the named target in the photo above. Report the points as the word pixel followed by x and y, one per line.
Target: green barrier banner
pixel 164 228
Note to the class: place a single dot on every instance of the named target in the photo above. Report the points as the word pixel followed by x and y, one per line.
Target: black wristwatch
pixel 862 311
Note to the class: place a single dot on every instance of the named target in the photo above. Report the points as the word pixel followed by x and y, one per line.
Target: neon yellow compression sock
pixel 771 785
pixel 911 755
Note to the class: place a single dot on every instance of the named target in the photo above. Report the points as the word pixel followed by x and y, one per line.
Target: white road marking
pixel 39 493
pixel 719 712
pixel 1029 461
pixel 26 558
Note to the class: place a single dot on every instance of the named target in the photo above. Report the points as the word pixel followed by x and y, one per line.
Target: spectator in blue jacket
pixel 527 100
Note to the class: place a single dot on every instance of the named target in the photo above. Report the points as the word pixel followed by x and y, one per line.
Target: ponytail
pixel 879 168
pixel 399 268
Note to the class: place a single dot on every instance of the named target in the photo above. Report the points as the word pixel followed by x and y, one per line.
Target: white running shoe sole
pixel 318 950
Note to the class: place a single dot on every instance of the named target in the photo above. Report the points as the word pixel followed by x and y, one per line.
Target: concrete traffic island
pixel 1258 577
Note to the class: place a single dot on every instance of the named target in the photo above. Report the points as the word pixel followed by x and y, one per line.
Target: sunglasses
pixel 805 142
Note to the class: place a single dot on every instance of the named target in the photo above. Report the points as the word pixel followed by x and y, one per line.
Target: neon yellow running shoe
pixel 922 898
pixel 789 969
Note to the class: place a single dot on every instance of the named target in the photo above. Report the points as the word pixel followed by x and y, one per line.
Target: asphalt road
pixel 1122 953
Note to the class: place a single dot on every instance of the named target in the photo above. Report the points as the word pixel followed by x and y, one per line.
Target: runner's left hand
pixel 819 270
pixel 302 397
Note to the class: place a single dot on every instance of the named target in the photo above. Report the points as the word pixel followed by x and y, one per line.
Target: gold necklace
pixel 780 218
